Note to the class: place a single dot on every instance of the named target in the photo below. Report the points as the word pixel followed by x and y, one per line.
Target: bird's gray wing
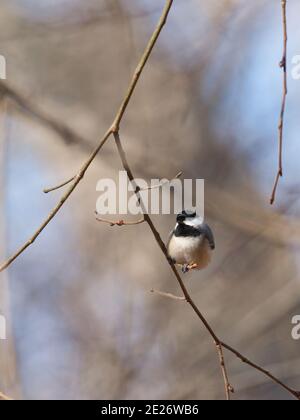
pixel 169 238
pixel 208 235
pixel 171 260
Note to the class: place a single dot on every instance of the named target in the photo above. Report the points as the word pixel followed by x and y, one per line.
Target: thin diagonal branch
pixel 141 65
pixel 47 190
pixel 217 341
pixel 115 125
pixel 165 252
pixel 245 360
pixel 283 65
pixel 59 205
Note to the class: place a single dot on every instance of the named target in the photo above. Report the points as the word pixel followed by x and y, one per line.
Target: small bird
pixel 191 242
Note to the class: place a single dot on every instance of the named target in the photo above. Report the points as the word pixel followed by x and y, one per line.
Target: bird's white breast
pixel 188 250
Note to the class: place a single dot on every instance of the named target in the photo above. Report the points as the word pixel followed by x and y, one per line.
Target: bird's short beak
pixel 180 218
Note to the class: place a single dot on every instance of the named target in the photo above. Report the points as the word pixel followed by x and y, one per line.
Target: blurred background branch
pixel 63 131
pixel 283 65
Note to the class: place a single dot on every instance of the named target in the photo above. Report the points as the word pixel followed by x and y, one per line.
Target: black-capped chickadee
pixel 191 242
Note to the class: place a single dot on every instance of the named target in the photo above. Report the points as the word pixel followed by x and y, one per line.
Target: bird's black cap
pixel 184 214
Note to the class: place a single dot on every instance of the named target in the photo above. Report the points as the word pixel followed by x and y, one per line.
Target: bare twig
pixel 217 341
pixel 283 65
pixel 47 190
pixel 114 127
pixel 119 222
pixel 161 184
pixel 167 295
